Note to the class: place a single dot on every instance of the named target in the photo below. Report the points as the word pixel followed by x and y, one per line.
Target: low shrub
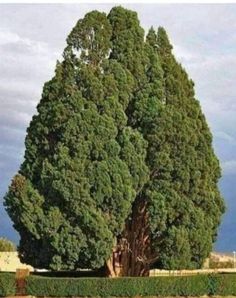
pixel 119 287
pixel 7 284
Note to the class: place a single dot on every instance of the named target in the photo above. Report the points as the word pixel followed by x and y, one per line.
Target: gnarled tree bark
pixel 132 254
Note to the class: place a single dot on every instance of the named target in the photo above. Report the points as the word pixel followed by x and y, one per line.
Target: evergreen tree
pixel 119 169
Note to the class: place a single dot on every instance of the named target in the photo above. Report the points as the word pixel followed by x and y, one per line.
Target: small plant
pixel 216 263
pixel 6 245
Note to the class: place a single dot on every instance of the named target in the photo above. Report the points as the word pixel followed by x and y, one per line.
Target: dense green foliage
pixel 6 245
pixel 119 287
pixel 223 285
pixel 198 285
pixel 117 122
pixel 7 284
pixel 186 171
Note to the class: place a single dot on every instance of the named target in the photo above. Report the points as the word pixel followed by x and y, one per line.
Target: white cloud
pixel 229 167
pixel 183 54
pixel 27 64
pixel 225 136
pixel 8 37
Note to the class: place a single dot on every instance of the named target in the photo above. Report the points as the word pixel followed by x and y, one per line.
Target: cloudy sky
pixel 32 38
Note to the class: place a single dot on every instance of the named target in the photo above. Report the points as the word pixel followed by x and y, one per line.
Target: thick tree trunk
pixel 131 256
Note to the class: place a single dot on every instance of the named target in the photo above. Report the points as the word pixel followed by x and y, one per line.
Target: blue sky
pixel 32 38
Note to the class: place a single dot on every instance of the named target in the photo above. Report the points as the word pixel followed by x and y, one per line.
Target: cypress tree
pixel 119 170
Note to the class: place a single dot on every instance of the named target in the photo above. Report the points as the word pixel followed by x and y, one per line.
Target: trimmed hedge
pixel 222 284
pixel 119 287
pixel 195 285
pixel 7 284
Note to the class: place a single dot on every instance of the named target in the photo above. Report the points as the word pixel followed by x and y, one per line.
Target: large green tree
pixel 119 170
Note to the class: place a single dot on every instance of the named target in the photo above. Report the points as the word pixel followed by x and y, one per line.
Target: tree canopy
pixel 6 245
pixel 119 168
